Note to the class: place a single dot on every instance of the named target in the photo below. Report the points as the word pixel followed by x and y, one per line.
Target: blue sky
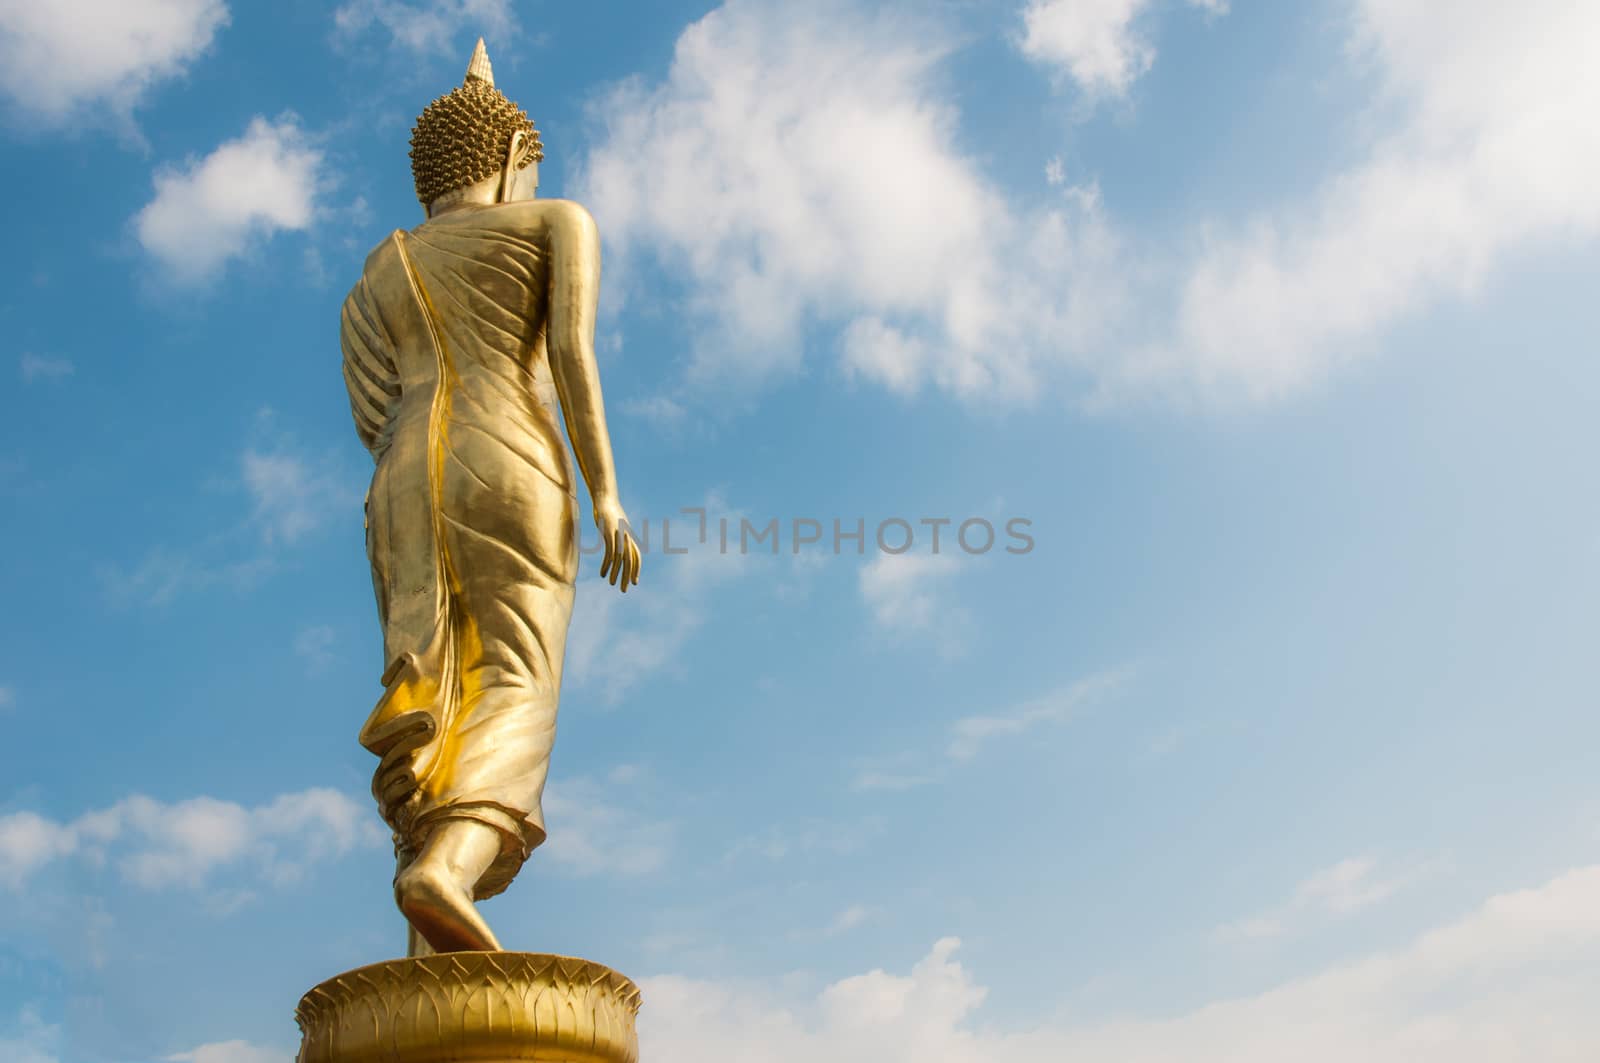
pixel 1275 323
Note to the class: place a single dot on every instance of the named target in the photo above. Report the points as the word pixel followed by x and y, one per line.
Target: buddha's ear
pixel 508 173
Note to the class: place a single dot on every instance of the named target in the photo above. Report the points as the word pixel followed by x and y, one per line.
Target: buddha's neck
pixel 483 194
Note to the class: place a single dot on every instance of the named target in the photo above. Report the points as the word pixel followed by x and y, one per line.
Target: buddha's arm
pixel 574 249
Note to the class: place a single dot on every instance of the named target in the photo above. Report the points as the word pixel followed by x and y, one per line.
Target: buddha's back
pixel 460 301
pixel 471 517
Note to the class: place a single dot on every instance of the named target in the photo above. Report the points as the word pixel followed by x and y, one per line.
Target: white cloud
pixel 58 59
pixel 232 1052
pixel 33 1041
pixel 1092 40
pixel 1343 889
pixel 8 697
pixel 848 920
pixel 665 413
pixel 165 574
pixel 912 768
pixel 879 351
pixel 617 640
pixel 624 774
pixel 156 845
pixel 799 164
pixel 39 367
pixel 291 495
pixel 874 1016
pixel 809 839
pixel 908 595
pixel 314 645
pixel 1514 980
pixel 1498 151
pixel 800 168
pixel 29 842
pixel 967 735
pixel 1097 43
pixel 592 834
pixel 887 779
pixel 217 208
pixel 1348 886
pixel 428 25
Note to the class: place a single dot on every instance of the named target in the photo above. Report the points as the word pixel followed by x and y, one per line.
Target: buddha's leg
pixel 435 890
pixel 416 944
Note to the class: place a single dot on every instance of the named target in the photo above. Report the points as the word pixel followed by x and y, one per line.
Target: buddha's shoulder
pixel 373 270
pixel 545 211
pixel 533 218
pixel 383 251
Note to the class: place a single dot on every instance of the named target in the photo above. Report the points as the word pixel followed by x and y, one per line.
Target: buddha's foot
pixel 441 910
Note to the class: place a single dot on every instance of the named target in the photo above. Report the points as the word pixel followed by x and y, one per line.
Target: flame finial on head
pixel 479 67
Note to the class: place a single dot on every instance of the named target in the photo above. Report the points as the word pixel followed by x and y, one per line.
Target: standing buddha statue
pixel 467 341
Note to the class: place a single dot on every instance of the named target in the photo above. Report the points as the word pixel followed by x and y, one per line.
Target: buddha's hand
pixel 620 566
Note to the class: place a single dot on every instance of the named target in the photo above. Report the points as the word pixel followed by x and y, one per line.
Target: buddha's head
pixel 474 145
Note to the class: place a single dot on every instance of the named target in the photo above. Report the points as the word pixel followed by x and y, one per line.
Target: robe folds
pixel 471 528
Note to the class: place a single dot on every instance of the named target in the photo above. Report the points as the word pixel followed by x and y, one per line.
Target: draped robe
pixel 471 527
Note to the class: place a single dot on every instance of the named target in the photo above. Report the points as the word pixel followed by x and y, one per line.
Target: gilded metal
pixel 466 342
pixel 472 1007
pixel 462 137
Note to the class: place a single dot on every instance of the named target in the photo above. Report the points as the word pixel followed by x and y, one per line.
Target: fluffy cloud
pixel 1097 43
pixel 591 834
pixel 1515 979
pixel 1498 151
pixel 800 168
pixel 214 209
pixel 427 26
pixel 907 595
pixel 618 640
pixel 892 775
pixel 57 59
pixel 34 1041
pixel 1342 889
pixel 291 492
pixel 163 575
pixel 314 645
pixel 809 840
pixel 29 842
pixel 799 164
pixel 39 367
pixel 232 1052
pixel 156 845
pixel 969 734
pixel 847 920
pixel 908 769
pixel 291 495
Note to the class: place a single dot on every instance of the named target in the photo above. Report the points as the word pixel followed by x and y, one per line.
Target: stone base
pixel 472 1007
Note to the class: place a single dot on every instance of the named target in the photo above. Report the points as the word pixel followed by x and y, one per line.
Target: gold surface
pixel 462 137
pixel 467 342
pixel 472 1007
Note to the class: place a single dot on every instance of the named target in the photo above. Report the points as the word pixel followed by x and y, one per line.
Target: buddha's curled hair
pixel 463 136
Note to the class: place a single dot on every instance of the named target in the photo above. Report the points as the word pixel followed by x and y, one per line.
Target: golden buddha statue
pixel 465 343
